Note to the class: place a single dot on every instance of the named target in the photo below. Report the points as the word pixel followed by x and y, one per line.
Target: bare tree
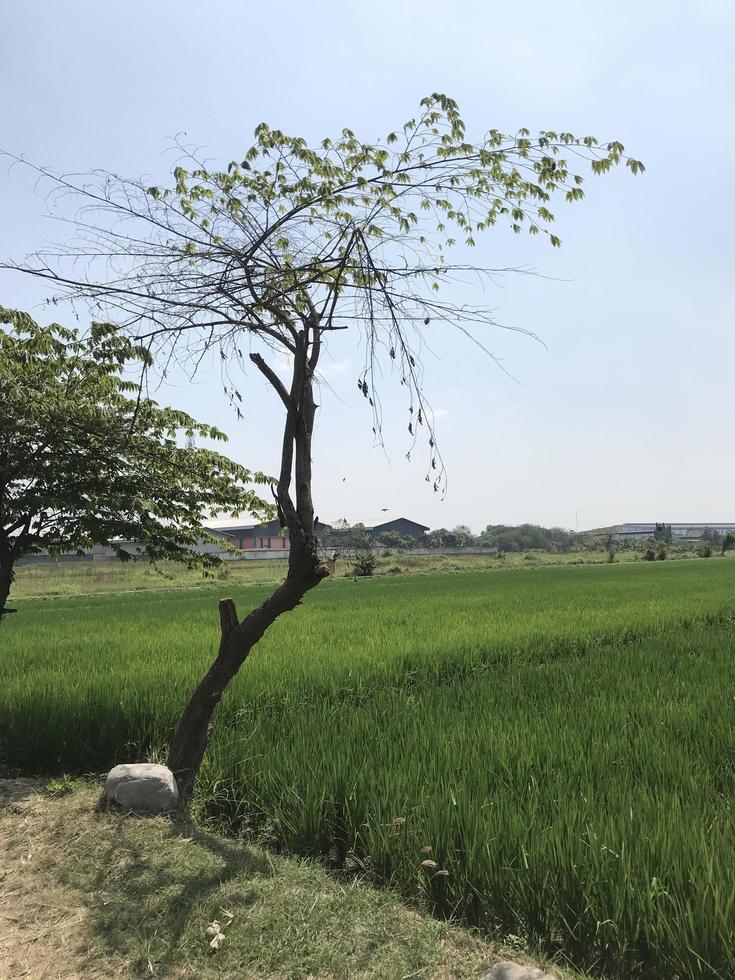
pixel 290 244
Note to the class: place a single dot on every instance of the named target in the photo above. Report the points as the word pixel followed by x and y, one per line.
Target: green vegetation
pixel 526 536
pixel 364 565
pixel 145 891
pixel 558 741
pixel 87 458
pixel 50 579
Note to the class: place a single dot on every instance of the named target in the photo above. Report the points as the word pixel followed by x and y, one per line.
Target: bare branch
pixel 272 377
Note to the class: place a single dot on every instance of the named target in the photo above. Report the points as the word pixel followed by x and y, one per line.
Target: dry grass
pixel 90 894
pixel 44 927
pixel 52 579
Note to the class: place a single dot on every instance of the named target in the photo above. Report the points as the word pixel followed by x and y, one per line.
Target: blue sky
pixel 627 414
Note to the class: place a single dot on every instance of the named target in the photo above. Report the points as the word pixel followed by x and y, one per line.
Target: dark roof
pixel 395 520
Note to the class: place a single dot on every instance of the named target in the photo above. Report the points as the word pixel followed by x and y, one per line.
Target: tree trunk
pixel 237 640
pixel 305 569
pixel 6 578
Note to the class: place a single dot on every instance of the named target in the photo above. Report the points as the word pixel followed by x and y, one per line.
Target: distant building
pixel 401 525
pixel 251 537
pixel 271 537
pixel 685 533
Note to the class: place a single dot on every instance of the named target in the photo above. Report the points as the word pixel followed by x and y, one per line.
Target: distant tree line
pixel 503 537
pixel 521 537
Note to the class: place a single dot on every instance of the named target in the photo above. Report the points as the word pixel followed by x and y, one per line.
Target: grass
pixel 134 897
pixel 559 741
pixel 49 579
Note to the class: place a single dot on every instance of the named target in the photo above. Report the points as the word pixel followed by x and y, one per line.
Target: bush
pixel 364 566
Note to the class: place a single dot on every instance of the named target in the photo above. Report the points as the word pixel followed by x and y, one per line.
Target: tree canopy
pixel 528 537
pixel 86 458
pixel 345 235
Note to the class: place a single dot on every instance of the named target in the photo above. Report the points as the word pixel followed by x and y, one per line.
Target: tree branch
pixel 272 377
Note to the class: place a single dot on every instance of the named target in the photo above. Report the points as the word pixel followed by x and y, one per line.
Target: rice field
pixel 547 753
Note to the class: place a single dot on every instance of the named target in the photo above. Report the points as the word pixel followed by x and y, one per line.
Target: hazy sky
pixel 628 415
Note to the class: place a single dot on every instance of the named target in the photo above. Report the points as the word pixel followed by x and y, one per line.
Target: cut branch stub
pixel 227 617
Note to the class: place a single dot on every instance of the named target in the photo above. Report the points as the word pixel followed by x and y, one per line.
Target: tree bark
pixel 237 640
pixel 305 569
pixel 6 578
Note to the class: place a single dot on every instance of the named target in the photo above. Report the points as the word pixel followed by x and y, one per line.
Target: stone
pixel 506 970
pixel 142 786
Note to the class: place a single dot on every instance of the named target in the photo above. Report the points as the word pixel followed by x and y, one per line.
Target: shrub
pixel 364 565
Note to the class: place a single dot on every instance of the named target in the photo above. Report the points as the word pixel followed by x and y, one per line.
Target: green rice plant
pixel 545 753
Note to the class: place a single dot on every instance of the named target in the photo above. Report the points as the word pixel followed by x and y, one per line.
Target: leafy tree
pixel 459 537
pixel 344 535
pixel 728 542
pixel 82 463
pixel 704 548
pixel 394 539
pixel 662 532
pixel 524 537
pixel 290 243
pixel 712 535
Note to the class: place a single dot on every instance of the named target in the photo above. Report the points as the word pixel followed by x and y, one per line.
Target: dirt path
pixel 44 929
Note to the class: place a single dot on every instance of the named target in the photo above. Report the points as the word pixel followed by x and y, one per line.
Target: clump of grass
pixel 61 786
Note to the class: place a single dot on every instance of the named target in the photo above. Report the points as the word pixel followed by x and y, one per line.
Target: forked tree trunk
pixel 237 640
pixel 305 569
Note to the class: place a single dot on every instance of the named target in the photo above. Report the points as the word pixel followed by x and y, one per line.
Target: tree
pixel 527 537
pixel 728 542
pixel 459 537
pixel 344 535
pixel 81 463
pixel 284 247
pixel 712 535
pixel 704 548
pixel 662 532
pixel 394 539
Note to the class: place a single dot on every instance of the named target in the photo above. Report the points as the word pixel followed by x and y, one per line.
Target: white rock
pixel 505 970
pixel 142 786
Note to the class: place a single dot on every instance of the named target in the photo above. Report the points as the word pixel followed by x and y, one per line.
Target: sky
pixel 625 412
